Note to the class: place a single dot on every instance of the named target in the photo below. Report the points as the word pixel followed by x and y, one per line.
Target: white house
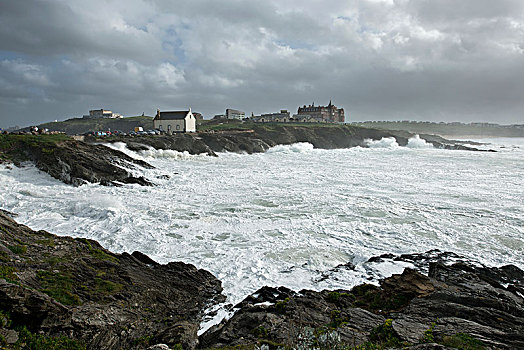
pixel 175 121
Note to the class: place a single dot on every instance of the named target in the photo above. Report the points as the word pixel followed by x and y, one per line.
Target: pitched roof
pixel 171 115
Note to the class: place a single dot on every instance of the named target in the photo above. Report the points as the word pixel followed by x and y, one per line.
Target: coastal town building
pixel 306 114
pixel 282 117
pixel 175 121
pixel 102 113
pixel 234 114
pixel 328 114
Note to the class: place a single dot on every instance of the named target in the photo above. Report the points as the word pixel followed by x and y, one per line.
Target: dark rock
pixel 457 299
pixel 74 287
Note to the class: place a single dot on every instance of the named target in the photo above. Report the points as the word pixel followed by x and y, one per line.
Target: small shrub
pixel 428 334
pixel 385 334
pixel 260 332
pixel 145 340
pixel 4 257
pixel 58 286
pixel 463 341
pixel 107 287
pixel 30 341
pixel 18 249
pixel 8 273
pixel 281 305
pixel 335 296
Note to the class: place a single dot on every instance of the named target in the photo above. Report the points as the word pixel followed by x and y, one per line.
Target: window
pixel 178 127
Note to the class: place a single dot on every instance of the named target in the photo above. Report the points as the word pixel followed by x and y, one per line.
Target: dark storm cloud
pixel 380 59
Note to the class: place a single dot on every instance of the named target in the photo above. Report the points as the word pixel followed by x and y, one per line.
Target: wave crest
pixel 301 147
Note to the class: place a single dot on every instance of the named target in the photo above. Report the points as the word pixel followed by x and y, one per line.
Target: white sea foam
pixel 301 147
pixel 287 217
pixel 417 142
pixel 385 142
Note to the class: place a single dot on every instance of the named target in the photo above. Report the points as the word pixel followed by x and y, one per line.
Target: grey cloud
pixel 391 59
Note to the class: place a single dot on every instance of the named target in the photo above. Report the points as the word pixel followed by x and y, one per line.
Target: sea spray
pixel 385 142
pixel 417 142
pixel 287 217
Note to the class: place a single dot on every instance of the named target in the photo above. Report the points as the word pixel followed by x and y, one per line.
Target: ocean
pixel 289 216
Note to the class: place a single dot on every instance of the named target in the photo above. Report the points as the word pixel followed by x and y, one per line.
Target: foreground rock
pixel 65 287
pixel 261 137
pixel 459 305
pixel 74 162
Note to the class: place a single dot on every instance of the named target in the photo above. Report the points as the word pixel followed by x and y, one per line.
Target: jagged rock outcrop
pixel 76 163
pixel 262 137
pixel 457 303
pixel 61 286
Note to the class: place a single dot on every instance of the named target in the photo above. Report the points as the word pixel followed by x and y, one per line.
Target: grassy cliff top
pixel 479 130
pixel 81 125
pixel 13 147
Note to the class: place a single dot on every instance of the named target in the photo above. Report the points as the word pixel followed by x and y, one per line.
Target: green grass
pixel 8 273
pixel 31 341
pixel 463 341
pixel 107 287
pixel 58 286
pixel 18 249
pixel 15 147
pixel 98 253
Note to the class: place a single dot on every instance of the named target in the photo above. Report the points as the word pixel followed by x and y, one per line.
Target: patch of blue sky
pixel 173 45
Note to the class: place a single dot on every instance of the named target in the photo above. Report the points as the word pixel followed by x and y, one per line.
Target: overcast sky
pixel 440 60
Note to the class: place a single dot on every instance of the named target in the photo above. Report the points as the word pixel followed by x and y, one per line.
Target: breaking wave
pixel 417 142
pixel 301 147
pixel 385 142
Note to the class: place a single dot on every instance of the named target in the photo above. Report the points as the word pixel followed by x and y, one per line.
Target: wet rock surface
pixel 76 163
pixel 456 303
pixel 261 138
pixel 61 286
pixel 65 287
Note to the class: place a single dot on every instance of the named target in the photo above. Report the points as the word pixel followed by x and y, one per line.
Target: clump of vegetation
pixel 385 335
pixel 18 249
pixel 281 306
pixel 98 253
pixel 107 287
pixel 428 336
pixel 4 257
pixel 30 341
pixel 260 332
pixel 8 273
pixel 58 286
pixel 335 296
pixel 372 298
pixel 145 340
pixel 462 341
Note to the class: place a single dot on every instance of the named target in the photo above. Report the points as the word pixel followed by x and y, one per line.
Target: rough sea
pixel 289 216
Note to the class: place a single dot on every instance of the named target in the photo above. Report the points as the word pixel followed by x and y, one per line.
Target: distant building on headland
pixel 327 114
pixel 175 121
pixel 102 113
pixel 306 114
pixel 234 114
pixel 283 117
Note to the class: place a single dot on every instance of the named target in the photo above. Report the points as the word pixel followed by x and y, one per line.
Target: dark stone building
pixel 329 113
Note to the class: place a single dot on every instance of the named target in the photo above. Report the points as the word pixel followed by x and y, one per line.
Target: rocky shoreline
pixel 261 138
pixel 77 162
pixel 73 291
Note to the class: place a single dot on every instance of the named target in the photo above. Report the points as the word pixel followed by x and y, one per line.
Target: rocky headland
pixel 72 162
pixel 74 293
pixel 77 162
pixel 259 138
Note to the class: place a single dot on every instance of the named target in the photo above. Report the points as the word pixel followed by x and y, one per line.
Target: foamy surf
pixel 289 216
